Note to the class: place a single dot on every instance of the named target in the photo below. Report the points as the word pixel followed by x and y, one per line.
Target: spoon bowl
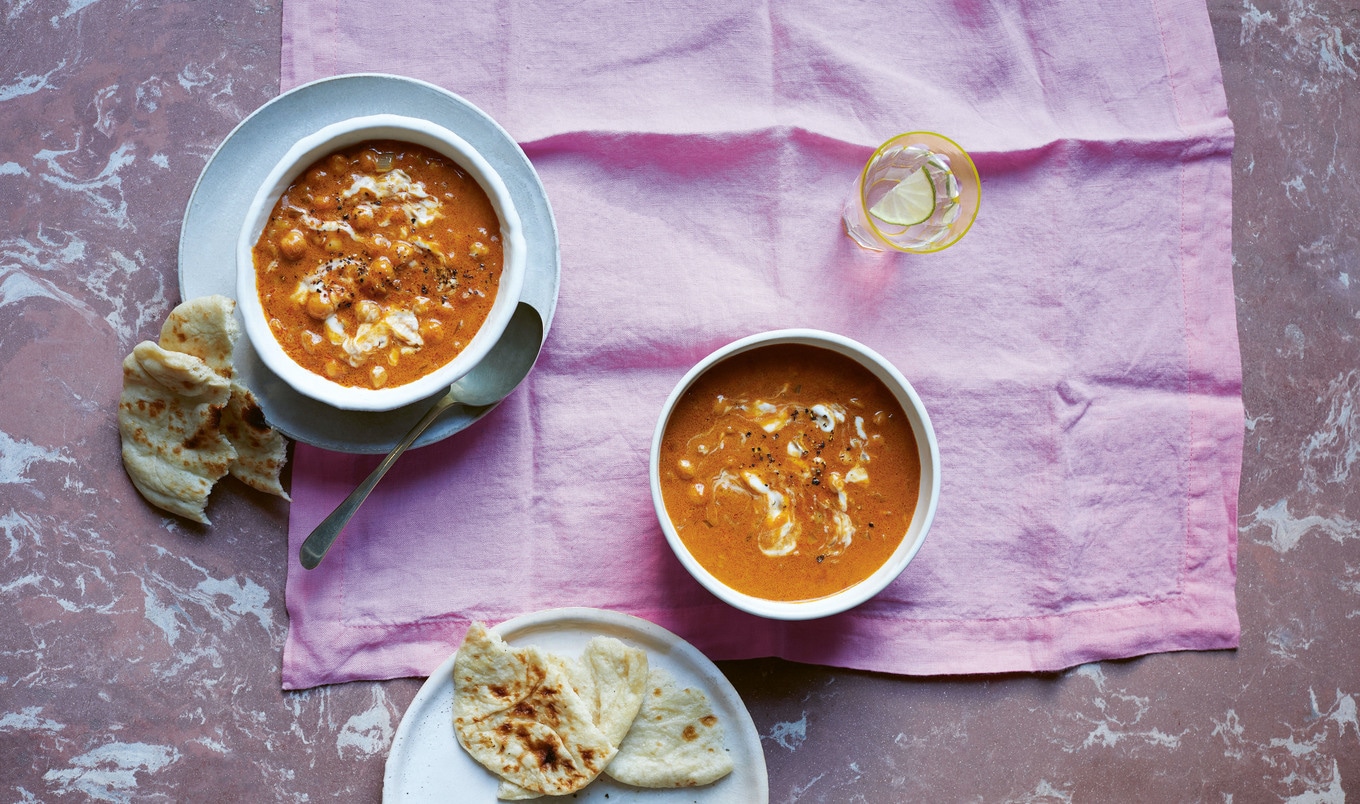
pixel 499 373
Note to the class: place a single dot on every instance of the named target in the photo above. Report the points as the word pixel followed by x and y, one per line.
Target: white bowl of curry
pixel 379 262
pixel 795 473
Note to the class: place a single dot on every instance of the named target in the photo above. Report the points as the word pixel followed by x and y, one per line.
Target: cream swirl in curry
pixel 379 264
pixel 789 471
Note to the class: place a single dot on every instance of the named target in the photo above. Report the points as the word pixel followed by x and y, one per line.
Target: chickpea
pixel 368 162
pixel 431 329
pixel 368 311
pixel 309 340
pixel 293 244
pixel 380 271
pixel 320 305
pixel 422 305
pixel 335 331
pixel 378 376
pixel 334 244
pixel 338 163
pixel 333 369
pixel 362 218
pixel 404 251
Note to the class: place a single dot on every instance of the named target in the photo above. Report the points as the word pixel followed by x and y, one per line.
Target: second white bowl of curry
pixel 795 473
pixel 379 262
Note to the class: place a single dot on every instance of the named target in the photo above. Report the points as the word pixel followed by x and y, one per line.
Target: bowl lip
pixel 302 154
pixel 927 499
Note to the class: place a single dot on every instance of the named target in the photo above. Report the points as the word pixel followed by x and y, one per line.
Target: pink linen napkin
pixel 1077 350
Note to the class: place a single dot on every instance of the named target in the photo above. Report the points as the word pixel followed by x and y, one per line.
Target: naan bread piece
pixel 206 328
pixel 261 451
pixel 609 677
pixel 169 417
pixel 612 677
pixel 509 791
pixel 676 740
pixel 515 712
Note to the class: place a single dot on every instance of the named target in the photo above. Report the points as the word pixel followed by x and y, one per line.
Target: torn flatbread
pixel 610 677
pixel 169 418
pixel 676 740
pixel 206 327
pixel 261 451
pixel 516 713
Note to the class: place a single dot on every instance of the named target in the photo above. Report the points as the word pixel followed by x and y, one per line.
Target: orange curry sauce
pixel 790 472
pixel 379 264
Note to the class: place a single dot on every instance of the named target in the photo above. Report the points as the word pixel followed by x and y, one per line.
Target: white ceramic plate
pixel 427 764
pixel 217 210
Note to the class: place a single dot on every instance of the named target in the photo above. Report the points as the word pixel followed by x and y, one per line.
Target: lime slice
pixel 909 203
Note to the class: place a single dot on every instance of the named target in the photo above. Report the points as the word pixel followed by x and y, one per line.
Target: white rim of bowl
pixel 927 499
pixel 298 158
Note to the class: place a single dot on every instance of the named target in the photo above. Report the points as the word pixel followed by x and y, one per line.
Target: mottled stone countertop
pixel 139 658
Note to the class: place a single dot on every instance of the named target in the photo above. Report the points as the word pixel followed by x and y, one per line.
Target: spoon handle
pixel 323 536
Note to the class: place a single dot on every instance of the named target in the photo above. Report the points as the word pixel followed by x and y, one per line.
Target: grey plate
pixel 217 208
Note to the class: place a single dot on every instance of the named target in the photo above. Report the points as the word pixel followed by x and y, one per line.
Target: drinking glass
pixel 918 193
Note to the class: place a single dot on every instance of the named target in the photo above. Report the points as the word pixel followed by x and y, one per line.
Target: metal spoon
pixel 489 382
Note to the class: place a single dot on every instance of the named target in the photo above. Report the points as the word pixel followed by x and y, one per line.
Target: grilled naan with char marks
pixel 206 328
pixel 516 713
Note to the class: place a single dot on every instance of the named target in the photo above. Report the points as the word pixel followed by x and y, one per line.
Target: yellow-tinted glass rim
pixel 970 186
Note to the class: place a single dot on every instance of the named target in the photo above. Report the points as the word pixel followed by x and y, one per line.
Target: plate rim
pixel 440 682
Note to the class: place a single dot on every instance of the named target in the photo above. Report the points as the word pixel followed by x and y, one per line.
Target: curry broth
pixel 379 263
pixel 790 472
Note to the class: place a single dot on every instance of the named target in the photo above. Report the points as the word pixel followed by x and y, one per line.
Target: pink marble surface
pixel 139 655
